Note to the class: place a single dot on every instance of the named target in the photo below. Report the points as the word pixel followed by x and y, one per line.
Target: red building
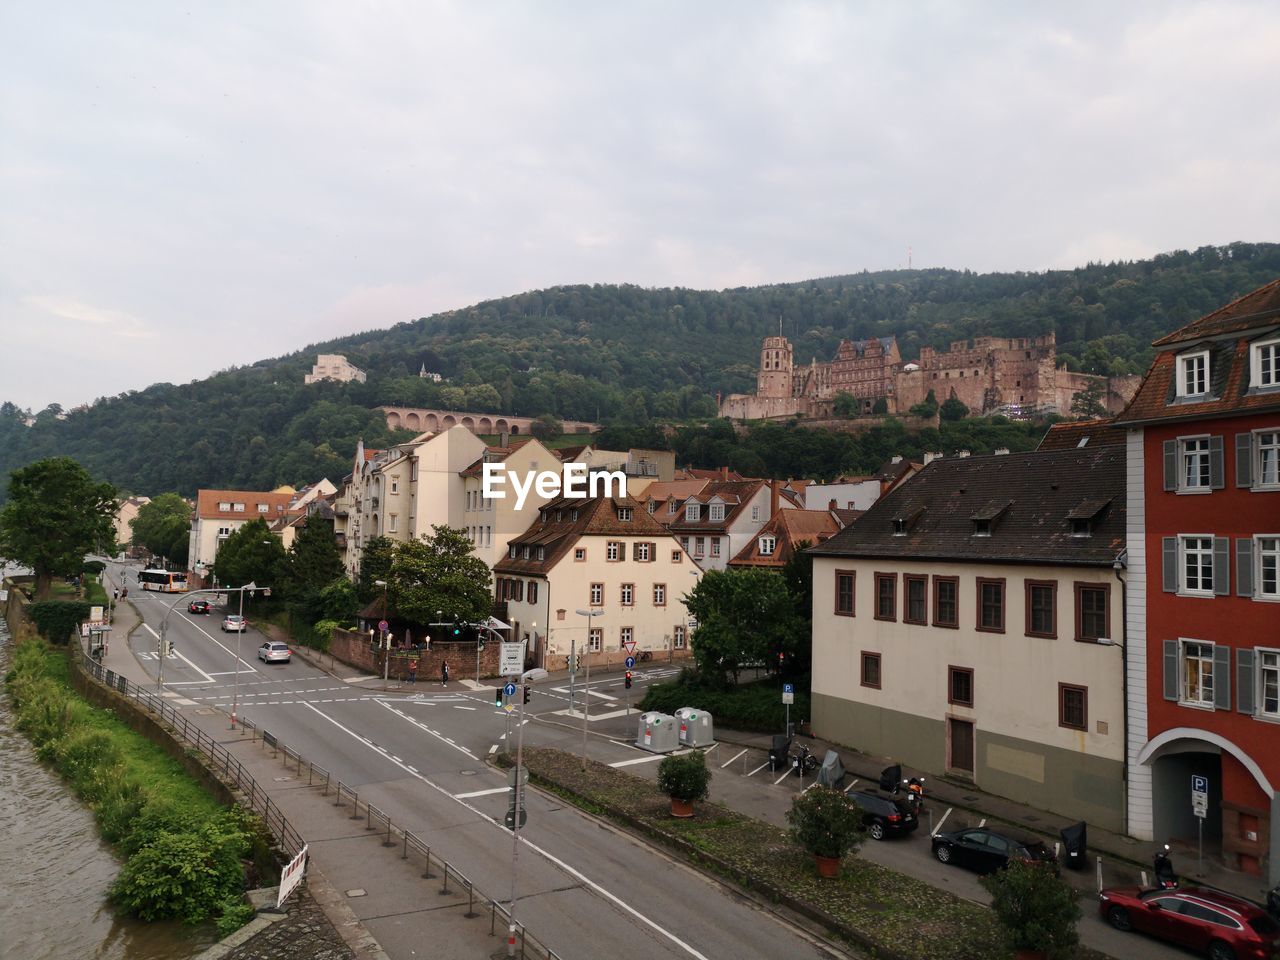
pixel 1203 585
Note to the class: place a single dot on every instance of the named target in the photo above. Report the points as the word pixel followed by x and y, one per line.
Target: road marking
pixel 733 758
pixel 781 778
pixel 758 769
pixel 577 714
pixel 938 828
pixel 493 749
pixel 416 723
pixel 456 707
pixel 631 763
pixel 851 786
pixel 358 679
pixel 479 793
pixel 982 822
pixel 552 858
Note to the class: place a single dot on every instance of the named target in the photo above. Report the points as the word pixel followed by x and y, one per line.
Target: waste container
pixel 694 727
pixel 832 770
pixel 657 733
pixel 780 752
pixel 1075 845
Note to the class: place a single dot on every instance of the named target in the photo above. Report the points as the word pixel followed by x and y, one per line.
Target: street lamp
pixel 586 685
pixel 386 647
pixel 235 699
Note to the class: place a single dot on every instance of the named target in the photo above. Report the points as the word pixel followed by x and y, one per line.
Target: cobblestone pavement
pixel 305 933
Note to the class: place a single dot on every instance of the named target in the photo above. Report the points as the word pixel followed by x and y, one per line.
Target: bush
pixel 57 619
pixel 183 876
pixel 752 707
pixel 826 822
pixel 1036 909
pixel 684 777
pixel 235 914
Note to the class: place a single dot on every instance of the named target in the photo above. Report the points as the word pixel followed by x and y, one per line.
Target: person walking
pixel 444 672
pixel 413 670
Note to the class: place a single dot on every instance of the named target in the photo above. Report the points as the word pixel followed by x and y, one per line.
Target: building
pixel 219 513
pixel 1203 623
pixel 1017 376
pixel 958 626
pixel 859 493
pixel 603 553
pixel 486 424
pixel 126 512
pixel 785 533
pixel 334 366
pixel 715 523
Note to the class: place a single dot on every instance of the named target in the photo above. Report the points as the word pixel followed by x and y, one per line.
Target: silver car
pixel 273 651
pixel 234 623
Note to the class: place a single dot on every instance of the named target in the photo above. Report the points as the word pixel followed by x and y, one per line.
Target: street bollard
pixel 426 872
pixel 1099 874
pixel 388 842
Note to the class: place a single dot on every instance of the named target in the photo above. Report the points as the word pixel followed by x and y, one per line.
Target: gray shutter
pixel 1244 459
pixel 1244 567
pixel 1171 669
pixel 1222 566
pixel 1221 677
pixel 1171 464
pixel 1216 470
pixel 1244 681
pixel 1170 553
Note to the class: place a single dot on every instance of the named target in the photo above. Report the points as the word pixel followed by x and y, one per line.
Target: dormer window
pixel 985 520
pixel 1081 528
pixel 982 528
pixel 673 507
pixel 767 546
pixel 1086 514
pixel 693 512
pixel 715 512
pixel 1264 358
pixel 899 527
pixel 624 514
pixel 653 505
pixel 524 553
pixel 511 552
pixel 542 553
pixel 1193 374
pixel 573 516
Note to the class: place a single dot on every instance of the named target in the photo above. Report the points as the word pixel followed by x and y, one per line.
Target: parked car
pixel 234 623
pixel 987 851
pixel 198 606
pixel 1217 924
pixel 884 815
pixel 273 651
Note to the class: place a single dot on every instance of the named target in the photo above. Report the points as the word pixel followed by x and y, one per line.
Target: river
pixel 55 870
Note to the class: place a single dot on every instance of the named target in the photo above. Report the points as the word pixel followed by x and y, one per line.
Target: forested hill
pixel 614 353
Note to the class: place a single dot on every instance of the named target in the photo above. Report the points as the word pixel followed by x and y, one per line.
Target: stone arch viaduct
pixel 422 419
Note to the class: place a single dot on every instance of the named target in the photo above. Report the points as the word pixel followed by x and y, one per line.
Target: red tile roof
pixel 578 518
pixel 1256 309
pixel 789 528
pixel 207 504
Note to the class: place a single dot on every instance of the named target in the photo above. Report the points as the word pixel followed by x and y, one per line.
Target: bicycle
pixel 644 655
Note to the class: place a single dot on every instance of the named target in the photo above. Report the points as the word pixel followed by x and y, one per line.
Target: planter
pixel 828 867
pixel 681 808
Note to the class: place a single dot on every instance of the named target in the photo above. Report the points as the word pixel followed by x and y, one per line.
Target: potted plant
pixel 828 824
pixel 684 778
pixel 1037 910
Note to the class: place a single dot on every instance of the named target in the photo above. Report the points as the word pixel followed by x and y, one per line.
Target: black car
pixel 987 851
pixel 198 606
pixel 884 815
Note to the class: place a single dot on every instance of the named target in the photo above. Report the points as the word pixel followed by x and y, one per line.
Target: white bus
pixel 165 581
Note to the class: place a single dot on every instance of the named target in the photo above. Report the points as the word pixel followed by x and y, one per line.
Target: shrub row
pixel 755 707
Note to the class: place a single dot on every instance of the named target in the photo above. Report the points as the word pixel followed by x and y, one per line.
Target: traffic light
pixel 457 628
pixel 627 681
pixel 497 697
pixel 525 687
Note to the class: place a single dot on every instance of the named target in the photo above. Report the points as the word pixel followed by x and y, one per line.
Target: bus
pixel 165 581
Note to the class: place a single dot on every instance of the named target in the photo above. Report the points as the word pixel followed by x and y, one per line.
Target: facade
pixel 1203 444
pixel 785 533
pixel 219 513
pixel 126 513
pixel 958 627
pixel 334 366
pixel 718 521
pixel 606 554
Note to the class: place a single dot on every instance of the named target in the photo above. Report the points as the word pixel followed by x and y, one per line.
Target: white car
pixel 273 651
pixel 234 623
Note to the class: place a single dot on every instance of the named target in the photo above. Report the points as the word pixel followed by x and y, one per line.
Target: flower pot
pixel 681 808
pixel 827 866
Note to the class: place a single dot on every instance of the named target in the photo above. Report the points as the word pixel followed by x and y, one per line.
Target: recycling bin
pixel 657 733
pixel 695 729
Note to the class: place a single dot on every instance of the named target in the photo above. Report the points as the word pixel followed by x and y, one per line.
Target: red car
pixel 198 606
pixel 1216 924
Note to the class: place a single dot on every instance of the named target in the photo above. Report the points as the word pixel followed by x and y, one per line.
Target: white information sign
pixel 1200 796
pixel 511 660
pixel 291 876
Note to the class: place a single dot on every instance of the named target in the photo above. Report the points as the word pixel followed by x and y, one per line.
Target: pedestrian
pixel 444 672
pixel 413 671
pixel 115 596
pixel 124 593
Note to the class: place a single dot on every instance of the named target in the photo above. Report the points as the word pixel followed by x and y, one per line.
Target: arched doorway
pixel 501 426
pixel 412 422
pixel 486 425
pixel 515 429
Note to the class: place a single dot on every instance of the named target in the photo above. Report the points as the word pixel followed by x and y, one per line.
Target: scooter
pixel 915 793
pixel 803 762
pixel 1166 879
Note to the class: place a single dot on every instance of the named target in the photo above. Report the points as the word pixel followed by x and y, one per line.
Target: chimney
pixel 724 473
pixel 504 438
pixel 773 498
pixel 831 504
pixel 962 453
pixel 1002 452
pixel 896 459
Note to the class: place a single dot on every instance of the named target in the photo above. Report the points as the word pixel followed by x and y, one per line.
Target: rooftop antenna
pixel 779 324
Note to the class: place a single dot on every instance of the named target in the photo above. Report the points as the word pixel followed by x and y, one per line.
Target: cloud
pixel 116 322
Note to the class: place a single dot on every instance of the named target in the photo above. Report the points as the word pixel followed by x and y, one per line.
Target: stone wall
pixel 356 650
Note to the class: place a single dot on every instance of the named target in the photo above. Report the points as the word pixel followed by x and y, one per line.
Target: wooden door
pixel 961 741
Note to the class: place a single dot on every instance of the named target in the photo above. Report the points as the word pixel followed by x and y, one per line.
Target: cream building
pixel 126 513
pixel 959 626
pixel 334 366
pixel 219 513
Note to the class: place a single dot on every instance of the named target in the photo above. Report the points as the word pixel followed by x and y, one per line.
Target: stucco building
pixel 334 366
pixel 219 513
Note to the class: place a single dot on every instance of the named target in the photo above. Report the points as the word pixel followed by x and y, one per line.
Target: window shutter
pixel 1170 553
pixel 1244 681
pixel 1221 677
pixel 1216 480
pixel 1171 669
pixel 1222 566
pixel 1244 459
pixel 1171 464
pixel 1244 567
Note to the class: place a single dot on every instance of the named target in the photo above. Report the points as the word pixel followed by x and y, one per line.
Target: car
pixel 234 623
pixel 1208 921
pixel 884 815
pixel 273 651
pixel 198 606
pixel 986 850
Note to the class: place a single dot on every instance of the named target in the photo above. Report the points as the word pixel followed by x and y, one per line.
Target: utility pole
pixel 518 807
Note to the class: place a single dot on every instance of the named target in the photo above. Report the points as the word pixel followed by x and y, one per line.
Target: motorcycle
pixel 803 762
pixel 915 793
pixel 1166 879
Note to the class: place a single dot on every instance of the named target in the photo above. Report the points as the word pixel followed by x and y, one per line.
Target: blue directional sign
pixel 1199 784
pixel 788 688
pixel 509 689
pixel 631 662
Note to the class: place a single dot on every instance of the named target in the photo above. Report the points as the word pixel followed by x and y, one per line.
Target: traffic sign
pixel 693 623
pixel 1199 784
pixel 511 659
pixel 630 645
pixel 511 776
pixel 631 662
pixel 1200 796
pixel 508 707
pixel 788 693
pixel 788 688
pixel 509 689
pixel 509 819
pixel 383 626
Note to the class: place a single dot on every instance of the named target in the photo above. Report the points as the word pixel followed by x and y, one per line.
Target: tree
pixel 252 554
pixel 56 514
pixel 953 409
pixel 927 407
pixel 1088 403
pixel 743 616
pixel 163 527
pixel 439 573
pixel 546 427
pixel 311 565
pixel 846 405
pixel 1037 910
pixel 375 564
pixel 880 406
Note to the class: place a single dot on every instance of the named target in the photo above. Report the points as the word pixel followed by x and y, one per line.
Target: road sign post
pixel 788 698
pixel 1200 807
pixel 517 821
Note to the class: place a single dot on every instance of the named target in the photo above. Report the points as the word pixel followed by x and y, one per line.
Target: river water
pixel 55 870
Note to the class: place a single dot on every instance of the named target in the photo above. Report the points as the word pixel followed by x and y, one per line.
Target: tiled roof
pixel 596 517
pixel 847 517
pixel 1256 309
pixel 789 528
pixel 1037 491
pixel 1081 433
pixel 1229 376
pixel 735 494
pixel 207 504
pixel 891 471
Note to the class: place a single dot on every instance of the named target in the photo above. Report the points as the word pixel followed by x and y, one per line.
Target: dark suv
pixel 885 815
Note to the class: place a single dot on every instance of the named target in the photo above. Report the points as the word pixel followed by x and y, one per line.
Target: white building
pixel 334 366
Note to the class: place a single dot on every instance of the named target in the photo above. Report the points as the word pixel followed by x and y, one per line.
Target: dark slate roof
pixel 1037 491
pixel 1081 433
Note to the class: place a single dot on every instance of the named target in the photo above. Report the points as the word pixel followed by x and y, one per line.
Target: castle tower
pixel 774 378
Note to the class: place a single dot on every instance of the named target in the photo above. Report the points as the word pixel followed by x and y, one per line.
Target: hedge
pixel 756 707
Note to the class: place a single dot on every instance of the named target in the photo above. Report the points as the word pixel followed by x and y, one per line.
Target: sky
pixel 190 187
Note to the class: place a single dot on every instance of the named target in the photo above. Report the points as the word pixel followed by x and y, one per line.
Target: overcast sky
pixel 187 187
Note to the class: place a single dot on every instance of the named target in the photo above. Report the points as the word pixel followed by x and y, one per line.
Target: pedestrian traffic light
pixel 627 681
pixel 457 627
pixel 525 687
pixel 497 697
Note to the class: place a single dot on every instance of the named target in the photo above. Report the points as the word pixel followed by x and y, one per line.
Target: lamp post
pixel 386 647
pixel 235 697
pixel 586 685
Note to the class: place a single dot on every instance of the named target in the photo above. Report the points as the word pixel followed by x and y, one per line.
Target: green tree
pixel 1088 403
pixel 311 565
pixel 846 406
pixel 744 616
pixel 252 554
pixel 439 572
pixel 163 527
pixel 546 427
pixel 880 406
pixel 56 514
pixel 376 558
pixel 926 407
pixel 952 409
pixel 1036 909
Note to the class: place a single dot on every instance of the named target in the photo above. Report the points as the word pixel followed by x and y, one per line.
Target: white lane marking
pixel 572 871
pixel 758 769
pixel 230 673
pixel 851 786
pixel 493 749
pixel 184 702
pixel 245 666
pixel 456 707
pixel 602 696
pixel 733 758
pixel 982 822
pixel 419 725
pixel 632 763
pixel 938 828
pixel 480 793
pixel 595 717
pixel 781 778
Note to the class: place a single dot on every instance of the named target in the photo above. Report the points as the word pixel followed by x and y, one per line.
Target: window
pixel 900 527
pixel 693 512
pixel 1265 359
pixel 224 531
pixel 659 594
pixel 767 545
pixel 395 484
pixel 1093 614
pixel 677 556
pixel 1073 707
pixel 653 505
pixel 870 669
pixel 960 686
pixel 597 594
pixel 946 601
pixel 1079 527
pixel 262 508
pixel 573 516
pixel 991 605
pixel 628 594
pixel 1195 474
pixel 715 546
pixel 518 587
pixel 1197 673
pixel 715 512
pixel 625 635
pixel 677 637
pixel 1267 459
pixel 595 639
pixel 755 513
pixel 1268 549
pixel 224 505
pixel 511 551
pixel 886 596
pixel 533 591
pixel 982 528
pixel 1042 608
pixel 526 551
pixel 699 546
pixel 673 507
pixel 1193 374
pixel 844 593
pixel 624 514
pixel 644 552
pixel 684 542
pixel 916 605
pixel 392 523
pixel 1197 565
pixel 1269 684
pixel 579 554
pixel 237 508
pixel 613 551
